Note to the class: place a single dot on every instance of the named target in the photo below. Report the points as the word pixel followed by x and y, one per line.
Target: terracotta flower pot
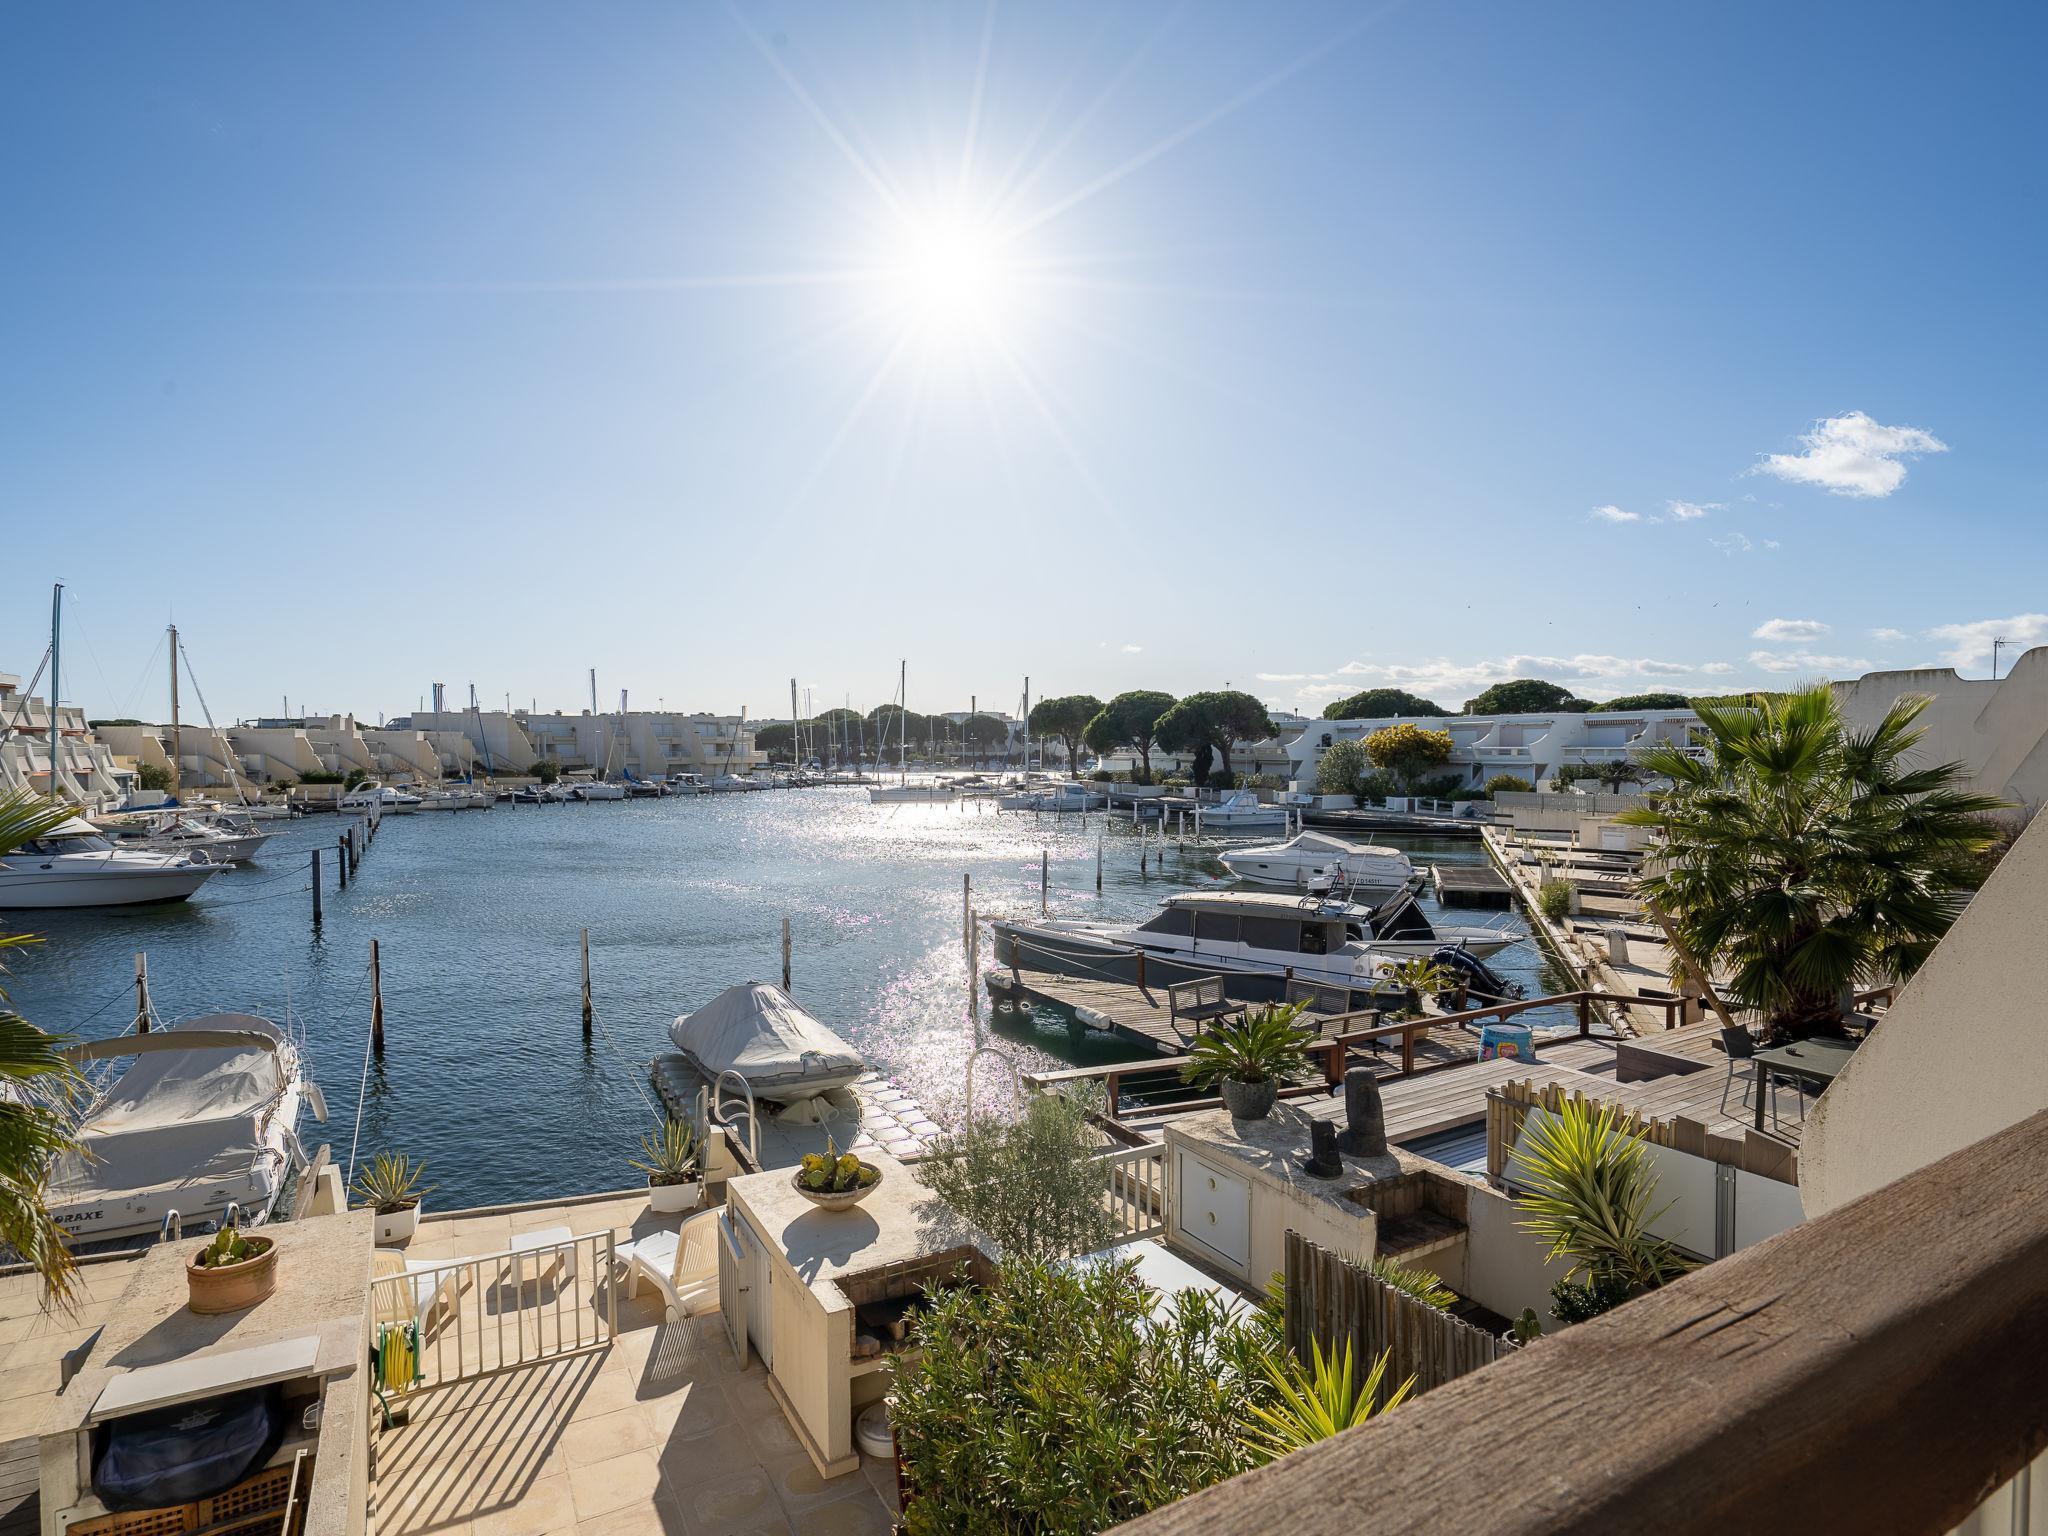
pixel 232 1287
pixel 1249 1101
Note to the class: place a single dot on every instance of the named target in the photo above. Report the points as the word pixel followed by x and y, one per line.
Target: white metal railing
pixel 501 1311
pixel 1137 1190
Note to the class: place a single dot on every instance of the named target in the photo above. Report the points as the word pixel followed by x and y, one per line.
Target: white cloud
pixel 1852 456
pixel 1806 663
pixel 1613 514
pixel 1789 629
pixel 1690 511
pixel 1132 650
pixel 1970 644
pixel 1718 668
pixel 1736 542
pixel 1890 635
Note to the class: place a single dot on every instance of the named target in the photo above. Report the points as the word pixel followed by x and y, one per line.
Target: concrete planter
pixel 1249 1101
pixel 668 1199
pixel 396 1226
pixel 232 1287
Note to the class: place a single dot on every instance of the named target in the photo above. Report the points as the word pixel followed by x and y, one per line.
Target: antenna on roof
pixel 1998 643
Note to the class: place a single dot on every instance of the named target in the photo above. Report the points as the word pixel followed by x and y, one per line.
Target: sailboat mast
pixel 795 728
pixel 177 730
pixel 903 722
pixel 1027 727
pixel 56 645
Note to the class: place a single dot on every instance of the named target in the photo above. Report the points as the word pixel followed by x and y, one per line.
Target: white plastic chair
pixel 682 1264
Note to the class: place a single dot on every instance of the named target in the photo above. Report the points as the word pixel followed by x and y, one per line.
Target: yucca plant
pixel 1311 1404
pixel 1265 1044
pixel 36 1084
pixel 1591 1187
pixel 391 1183
pixel 671 1153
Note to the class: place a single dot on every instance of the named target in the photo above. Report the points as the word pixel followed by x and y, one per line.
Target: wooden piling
pixel 785 954
pixel 141 993
pixel 1098 866
pixel 341 858
pixel 316 887
pixel 589 1014
pixel 376 1001
pixel 1044 880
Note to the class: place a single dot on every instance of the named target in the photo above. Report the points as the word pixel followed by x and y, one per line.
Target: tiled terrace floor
pixel 660 1432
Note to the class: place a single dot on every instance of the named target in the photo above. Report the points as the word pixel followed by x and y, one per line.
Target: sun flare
pixel 954 278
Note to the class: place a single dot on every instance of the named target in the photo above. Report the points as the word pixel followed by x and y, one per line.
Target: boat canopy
pixel 761 1033
pixel 189 1111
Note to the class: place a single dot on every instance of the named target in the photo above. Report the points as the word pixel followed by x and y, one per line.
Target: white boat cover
pixel 762 1034
pixel 177 1118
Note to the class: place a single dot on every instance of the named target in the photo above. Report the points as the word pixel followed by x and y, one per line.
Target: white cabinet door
pixel 1214 1211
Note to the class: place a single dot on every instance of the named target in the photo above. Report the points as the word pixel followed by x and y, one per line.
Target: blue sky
pixel 1291 347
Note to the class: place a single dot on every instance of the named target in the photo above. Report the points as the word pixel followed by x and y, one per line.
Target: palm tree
pixel 1801 857
pixel 34 1080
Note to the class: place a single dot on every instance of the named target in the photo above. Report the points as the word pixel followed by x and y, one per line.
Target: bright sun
pixel 954 279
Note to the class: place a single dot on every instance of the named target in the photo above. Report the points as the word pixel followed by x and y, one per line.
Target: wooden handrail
pixel 1787 1392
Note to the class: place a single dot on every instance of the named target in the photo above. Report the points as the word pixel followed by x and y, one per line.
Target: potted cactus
pixel 391 1186
pixel 1245 1061
pixel 835 1180
pixel 673 1166
pixel 230 1273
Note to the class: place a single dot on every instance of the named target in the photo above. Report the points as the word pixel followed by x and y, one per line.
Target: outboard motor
pixel 1479 976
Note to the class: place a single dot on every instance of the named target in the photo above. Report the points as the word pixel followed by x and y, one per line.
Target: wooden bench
pixel 1198 1002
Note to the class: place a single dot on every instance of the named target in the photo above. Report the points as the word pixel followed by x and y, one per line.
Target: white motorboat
pixel 456 798
pixel 213 837
pixel 205 1118
pixel 1068 797
pixel 729 784
pixel 386 799
pixel 75 866
pixel 1252 937
pixel 597 790
pixel 1316 861
pixel 760 1033
pixel 902 794
pixel 685 784
pixel 1242 811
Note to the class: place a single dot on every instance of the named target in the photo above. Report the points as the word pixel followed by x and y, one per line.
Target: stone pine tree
pixel 1130 721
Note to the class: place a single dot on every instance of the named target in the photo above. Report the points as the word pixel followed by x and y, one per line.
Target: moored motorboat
pixel 780 1050
pixel 204 1118
pixel 218 839
pixel 1316 861
pixel 74 865
pixel 1240 811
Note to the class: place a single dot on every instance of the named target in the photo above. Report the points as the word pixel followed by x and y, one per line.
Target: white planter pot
pixel 397 1226
pixel 671 1198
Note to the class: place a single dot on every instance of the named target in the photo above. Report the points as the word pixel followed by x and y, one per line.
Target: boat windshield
pixel 47 847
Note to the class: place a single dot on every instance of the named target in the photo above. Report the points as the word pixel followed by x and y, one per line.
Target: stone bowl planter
pixel 1249 1101
pixel 668 1199
pixel 232 1287
pixel 396 1226
pixel 845 1199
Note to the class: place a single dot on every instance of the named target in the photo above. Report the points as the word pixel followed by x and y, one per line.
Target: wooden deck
pixel 20 1502
pixel 1471 885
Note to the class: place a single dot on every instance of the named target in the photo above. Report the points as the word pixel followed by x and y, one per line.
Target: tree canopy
pixel 1636 701
pixel 1066 717
pixel 1408 751
pixel 1131 720
pixel 1215 720
pixel 1340 768
pixel 776 740
pixel 1526 696
pixel 1382 704
pixel 1801 857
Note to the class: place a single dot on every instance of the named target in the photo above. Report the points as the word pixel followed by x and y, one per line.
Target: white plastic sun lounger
pixel 682 1264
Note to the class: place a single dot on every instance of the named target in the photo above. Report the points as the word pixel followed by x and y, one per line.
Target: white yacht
pixel 1316 861
pixel 597 789
pixel 1241 812
pixel 74 865
pixel 1247 936
pixel 205 1117
pixel 680 783
pixel 215 838
pixel 759 1032
pixel 386 799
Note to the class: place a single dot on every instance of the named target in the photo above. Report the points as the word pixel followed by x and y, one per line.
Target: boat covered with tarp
pixel 768 1039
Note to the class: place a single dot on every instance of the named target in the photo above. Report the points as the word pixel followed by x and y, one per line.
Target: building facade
pixel 1999 729
pixel 1532 747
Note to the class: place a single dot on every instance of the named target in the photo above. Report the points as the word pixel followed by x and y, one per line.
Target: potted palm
pixel 1416 979
pixel 1245 1061
pixel 391 1186
pixel 230 1273
pixel 673 1166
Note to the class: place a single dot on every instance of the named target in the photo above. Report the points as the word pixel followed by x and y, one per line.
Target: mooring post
pixel 341 859
pixel 1098 866
pixel 589 1015
pixel 785 954
pixel 967 912
pixel 376 1001
pixel 141 993
pixel 316 887
pixel 973 968
pixel 1044 879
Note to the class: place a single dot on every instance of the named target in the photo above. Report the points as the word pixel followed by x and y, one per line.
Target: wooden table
pixel 1817 1058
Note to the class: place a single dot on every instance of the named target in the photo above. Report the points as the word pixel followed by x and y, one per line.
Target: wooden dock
pixel 20 1498
pixel 1471 885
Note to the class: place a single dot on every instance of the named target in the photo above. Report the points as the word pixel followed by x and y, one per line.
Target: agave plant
pixel 672 1153
pixel 1591 1184
pixel 1311 1405
pixel 1264 1044
pixel 391 1183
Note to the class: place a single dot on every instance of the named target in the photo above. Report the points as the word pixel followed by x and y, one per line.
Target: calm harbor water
pixel 486 1074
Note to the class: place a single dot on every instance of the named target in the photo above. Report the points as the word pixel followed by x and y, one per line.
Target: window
pixel 1171 920
pixel 1279 933
pixel 1215 927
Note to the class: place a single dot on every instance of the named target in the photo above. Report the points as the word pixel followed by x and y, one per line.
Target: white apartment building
pixel 1533 747
pixel 1998 728
pixel 648 744
pixel 84 768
